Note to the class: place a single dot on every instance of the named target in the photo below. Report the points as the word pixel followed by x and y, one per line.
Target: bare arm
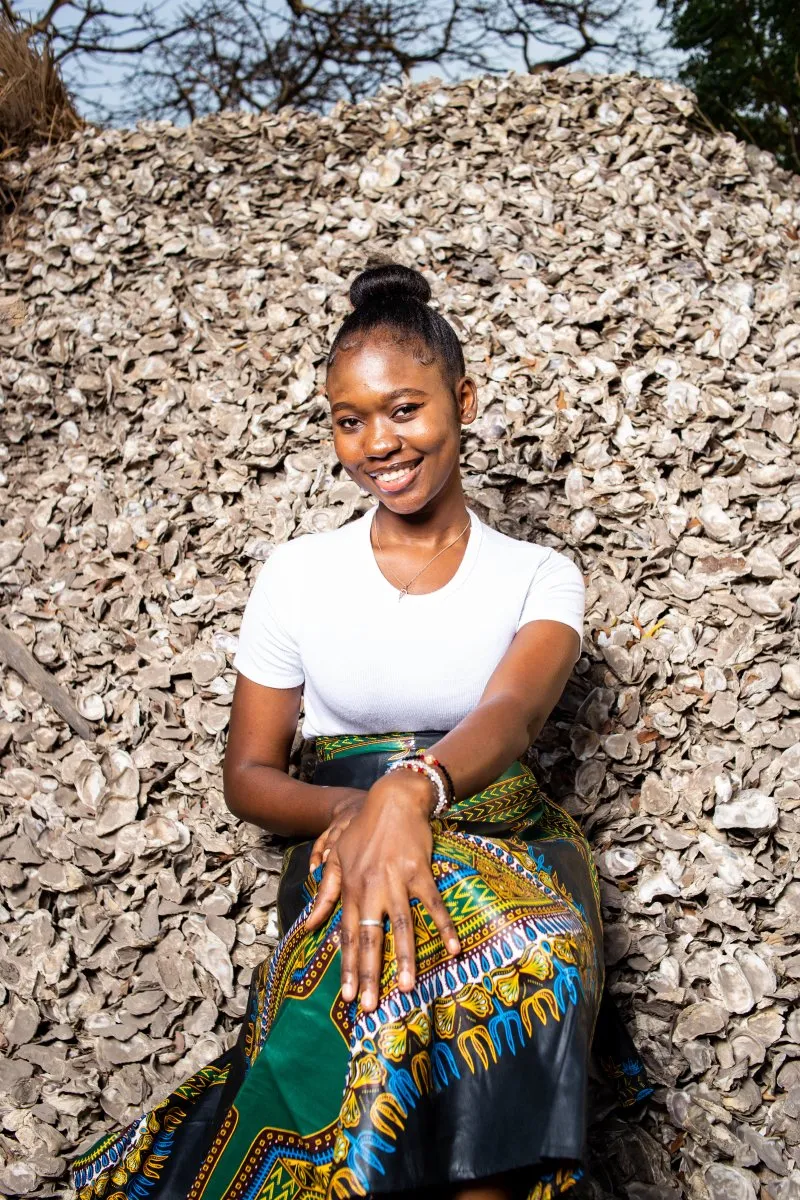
pixel 255 780
pixel 516 702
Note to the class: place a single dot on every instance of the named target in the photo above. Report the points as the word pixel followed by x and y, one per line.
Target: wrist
pixel 426 765
pixel 414 788
pixel 338 798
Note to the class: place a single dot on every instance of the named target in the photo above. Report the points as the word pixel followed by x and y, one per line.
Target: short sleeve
pixel 268 653
pixel 556 593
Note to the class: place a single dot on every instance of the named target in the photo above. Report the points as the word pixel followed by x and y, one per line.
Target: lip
pixel 398 485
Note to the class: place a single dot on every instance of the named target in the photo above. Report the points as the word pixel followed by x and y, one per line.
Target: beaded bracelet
pixel 424 769
pixel 425 763
pixel 427 757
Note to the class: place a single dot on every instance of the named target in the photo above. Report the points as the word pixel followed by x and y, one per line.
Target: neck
pixel 429 527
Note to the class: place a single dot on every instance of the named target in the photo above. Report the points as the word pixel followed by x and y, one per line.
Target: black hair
pixel 395 298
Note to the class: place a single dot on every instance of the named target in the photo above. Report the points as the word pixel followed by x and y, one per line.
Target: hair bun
pixel 388 282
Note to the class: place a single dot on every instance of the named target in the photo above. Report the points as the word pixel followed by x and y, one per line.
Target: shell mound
pixel 626 284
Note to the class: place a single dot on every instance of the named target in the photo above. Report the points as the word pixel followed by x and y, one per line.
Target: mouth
pixel 396 479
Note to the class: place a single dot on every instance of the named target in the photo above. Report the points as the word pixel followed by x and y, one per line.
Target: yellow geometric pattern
pixel 530 965
pixel 141 1147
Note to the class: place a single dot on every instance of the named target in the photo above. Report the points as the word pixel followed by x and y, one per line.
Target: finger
pixel 336 831
pixel 370 959
pixel 404 947
pixel 317 851
pixel 328 894
pixel 349 944
pixel 427 891
pixel 332 838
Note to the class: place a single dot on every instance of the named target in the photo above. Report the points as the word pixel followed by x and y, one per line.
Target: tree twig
pixel 15 654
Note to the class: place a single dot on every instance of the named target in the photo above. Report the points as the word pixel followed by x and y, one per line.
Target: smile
pixel 396 480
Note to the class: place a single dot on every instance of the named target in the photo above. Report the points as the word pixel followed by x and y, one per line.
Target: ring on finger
pixel 370 921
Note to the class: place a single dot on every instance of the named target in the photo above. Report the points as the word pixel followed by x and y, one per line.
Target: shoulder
pixel 511 548
pixel 530 557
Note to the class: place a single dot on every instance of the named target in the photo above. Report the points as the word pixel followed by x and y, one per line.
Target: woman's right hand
pixel 346 806
pixel 378 866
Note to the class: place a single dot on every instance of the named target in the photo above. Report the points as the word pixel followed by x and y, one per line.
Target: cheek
pixel 343 440
pixel 431 424
pixel 438 435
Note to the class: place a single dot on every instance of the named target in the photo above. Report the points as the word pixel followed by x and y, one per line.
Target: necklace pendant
pixel 401 593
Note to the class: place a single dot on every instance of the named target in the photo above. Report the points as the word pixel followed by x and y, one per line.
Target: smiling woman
pixel 412 342
pixel 425 1024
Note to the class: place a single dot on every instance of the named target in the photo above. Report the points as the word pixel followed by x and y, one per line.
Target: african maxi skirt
pixel 481 1069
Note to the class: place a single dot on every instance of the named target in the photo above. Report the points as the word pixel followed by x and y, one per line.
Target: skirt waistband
pixel 358 760
pixel 344 745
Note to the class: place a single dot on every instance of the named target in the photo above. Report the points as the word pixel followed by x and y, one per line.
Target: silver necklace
pixel 404 589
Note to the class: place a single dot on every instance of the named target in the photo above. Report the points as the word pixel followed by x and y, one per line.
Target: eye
pixel 403 408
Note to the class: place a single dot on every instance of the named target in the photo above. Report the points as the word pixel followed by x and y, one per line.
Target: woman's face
pixel 395 416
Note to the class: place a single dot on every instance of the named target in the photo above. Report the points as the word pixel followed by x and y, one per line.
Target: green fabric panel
pixel 304 1031
pixel 275 1094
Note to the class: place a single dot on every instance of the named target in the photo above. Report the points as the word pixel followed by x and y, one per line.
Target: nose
pixel 379 439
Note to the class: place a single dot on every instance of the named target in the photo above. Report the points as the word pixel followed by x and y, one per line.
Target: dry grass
pixel 35 106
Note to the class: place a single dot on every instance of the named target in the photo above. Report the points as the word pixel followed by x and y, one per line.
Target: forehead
pixel 373 366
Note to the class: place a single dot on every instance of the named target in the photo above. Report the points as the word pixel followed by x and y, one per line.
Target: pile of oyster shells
pixel 627 286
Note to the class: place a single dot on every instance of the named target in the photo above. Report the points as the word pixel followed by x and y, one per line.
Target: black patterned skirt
pixel 480 1070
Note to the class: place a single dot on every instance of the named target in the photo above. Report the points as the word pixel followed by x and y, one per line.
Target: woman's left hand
pixel 380 863
pixel 341 817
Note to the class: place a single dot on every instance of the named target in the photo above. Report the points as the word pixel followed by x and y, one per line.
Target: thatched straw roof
pixel 35 106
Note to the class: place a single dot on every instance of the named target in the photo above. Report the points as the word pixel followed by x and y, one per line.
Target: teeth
pixel 390 476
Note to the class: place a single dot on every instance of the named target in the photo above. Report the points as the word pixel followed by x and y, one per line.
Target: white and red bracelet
pixel 417 764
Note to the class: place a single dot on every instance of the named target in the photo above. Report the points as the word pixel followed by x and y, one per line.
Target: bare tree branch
pixel 261 55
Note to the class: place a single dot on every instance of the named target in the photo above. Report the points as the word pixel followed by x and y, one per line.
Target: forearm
pixel 268 797
pixel 483 745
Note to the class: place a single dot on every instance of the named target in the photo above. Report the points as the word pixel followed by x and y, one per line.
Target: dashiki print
pixel 482 1068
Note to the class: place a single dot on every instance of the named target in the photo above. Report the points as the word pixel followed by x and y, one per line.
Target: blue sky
pixel 101 81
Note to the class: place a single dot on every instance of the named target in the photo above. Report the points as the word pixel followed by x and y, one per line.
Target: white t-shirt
pixel 322 613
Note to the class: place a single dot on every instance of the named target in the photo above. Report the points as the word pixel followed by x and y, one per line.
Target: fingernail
pixel 347 991
pixel 366 1000
pixel 325 856
pixel 405 979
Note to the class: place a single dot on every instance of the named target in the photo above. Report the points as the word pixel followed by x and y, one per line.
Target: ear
pixel 466 396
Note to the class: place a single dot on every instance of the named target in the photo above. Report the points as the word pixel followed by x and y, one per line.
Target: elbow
pixel 525 738
pixel 248 793
pixel 522 728
pixel 511 723
pixel 531 727
pixel 234 790
pixel 230 797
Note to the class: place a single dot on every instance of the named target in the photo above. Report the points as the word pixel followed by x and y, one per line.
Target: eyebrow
pixel 387 399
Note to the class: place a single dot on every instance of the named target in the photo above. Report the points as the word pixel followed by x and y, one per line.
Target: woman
pixel 424 1026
